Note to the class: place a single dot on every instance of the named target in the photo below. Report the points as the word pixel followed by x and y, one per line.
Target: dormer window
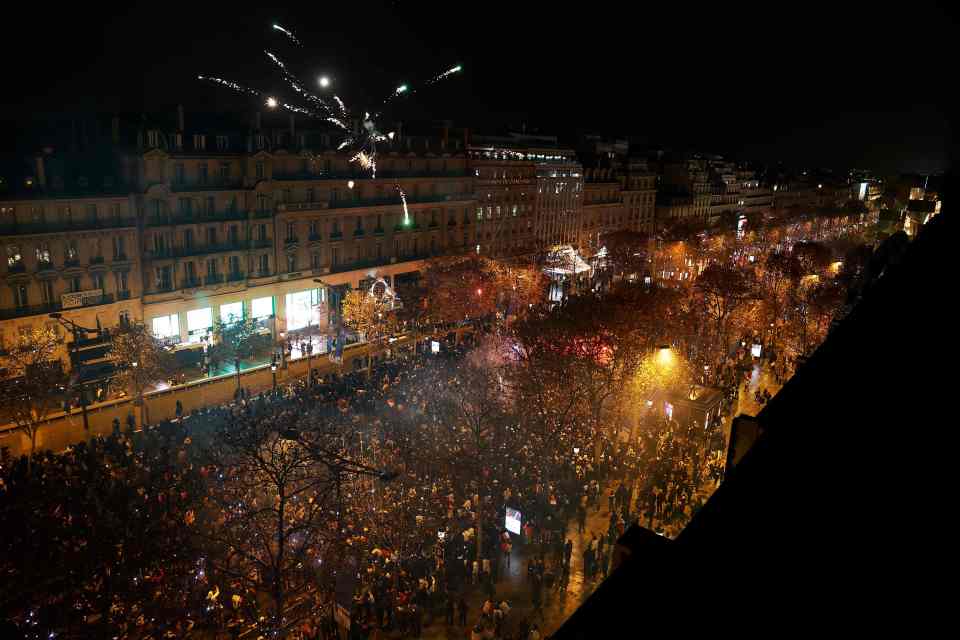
pixel 222 143
pixel 199 142
pixel 178 141
pixel 153 138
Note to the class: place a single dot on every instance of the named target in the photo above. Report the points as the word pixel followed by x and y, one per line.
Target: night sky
pixel 807 84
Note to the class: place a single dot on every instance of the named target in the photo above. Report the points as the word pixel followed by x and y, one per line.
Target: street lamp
pixel 76 329
pixel 273 371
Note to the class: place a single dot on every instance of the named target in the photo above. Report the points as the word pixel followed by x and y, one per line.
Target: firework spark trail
pixel 403 199
pixel 288 33
pixel 363 141
pixel 230 84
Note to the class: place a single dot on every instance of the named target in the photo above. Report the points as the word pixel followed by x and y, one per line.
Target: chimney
pixel 41 170
pixel 180 127
pixel 115 129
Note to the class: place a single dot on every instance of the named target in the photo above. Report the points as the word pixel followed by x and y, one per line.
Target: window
pixel 262 307
pixel 335 256
pixel 199 323
pixel 314 230
pixel 185 206
pixel 97 250
pixel 36 215
pixel 98 281
pixel 479 213
pixel 188 238
pixel 190 272
pixel 71 254
pixel 46 291
pixel 262 232
pixel 199 142
pixel 211 205
pixel 302 308
pixel 211 235
pixel 212 268
pixel 264 264
pixel 291 232
pixel 224 171
pixel 203 173
pixel 310 194
pixel 230 313
pixel 118 249
pixel 20 295
pixel 121 278
pixel 262 203
pixel 75 285
pixel 315 260
pixel 153 138
pixel 124 318
pixel 222 143
pixel 92 212
pixel 234 264
pixel 234 234
pixel 291 262
pixel 178 173
pixel 259 171
pixel 43 255
pixel 167 327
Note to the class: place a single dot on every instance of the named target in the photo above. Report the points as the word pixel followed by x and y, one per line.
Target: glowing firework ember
pixel 364 141
pixel 288 34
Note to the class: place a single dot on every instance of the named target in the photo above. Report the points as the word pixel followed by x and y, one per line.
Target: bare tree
pixel 269 521
pixel 140 360
pixel 238 341
pixel 36 382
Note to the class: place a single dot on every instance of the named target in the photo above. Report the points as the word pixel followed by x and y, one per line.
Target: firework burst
pixel 361 140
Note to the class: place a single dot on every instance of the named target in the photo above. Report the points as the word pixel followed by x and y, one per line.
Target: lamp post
pixel 273 371
pixel 76 329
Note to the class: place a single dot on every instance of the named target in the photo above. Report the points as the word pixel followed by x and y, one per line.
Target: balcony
pixel 43 309
pixel 64 227
pixel 180 252
pixel 266 243
pixel 376 262
pixel 73 262
pixel 358 233
pixel 236 276
pixel 215 278
pixel 315 237
pixel 195 218
pixel 123 295
pixel 381 174
pixel 190 282
pixel 378 231
pixel 291 242
pixel 96 260
pixel 336 235
pixel 394 200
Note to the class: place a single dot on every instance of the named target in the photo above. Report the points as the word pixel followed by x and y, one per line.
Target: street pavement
pixel 512 586
pixel 761 377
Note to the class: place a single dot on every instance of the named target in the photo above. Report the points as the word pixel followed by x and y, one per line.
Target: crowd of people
pixel 412 552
